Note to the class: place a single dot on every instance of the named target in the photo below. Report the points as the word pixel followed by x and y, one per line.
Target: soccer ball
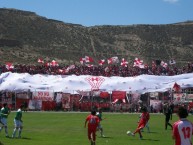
pixel 128 132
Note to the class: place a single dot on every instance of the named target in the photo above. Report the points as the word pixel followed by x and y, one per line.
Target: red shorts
pixel 92 134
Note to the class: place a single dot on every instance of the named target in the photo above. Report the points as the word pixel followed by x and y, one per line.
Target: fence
pixel 114 101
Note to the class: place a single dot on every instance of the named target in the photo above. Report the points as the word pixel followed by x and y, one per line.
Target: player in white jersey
pixel 182 129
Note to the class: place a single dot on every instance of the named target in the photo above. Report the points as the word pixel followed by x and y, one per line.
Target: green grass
pixel 61 128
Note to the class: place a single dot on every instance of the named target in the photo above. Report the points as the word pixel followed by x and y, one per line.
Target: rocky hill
pixel 25 36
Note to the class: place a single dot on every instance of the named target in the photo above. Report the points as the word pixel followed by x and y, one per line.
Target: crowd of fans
pixel 107 71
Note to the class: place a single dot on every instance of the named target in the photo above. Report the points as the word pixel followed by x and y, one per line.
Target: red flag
pixel 82 60
pixel 164 64
pixel 47 64
pixel 153 64
pixel 70 67
pixel 113 60
pixel 88 59
pixel 124 62
pixel 89 65
pixel 40 60
pixel 138 63
pixel 176 88
pixel 61 70
pixel 54 63
pixel 101 62
pixel 9 66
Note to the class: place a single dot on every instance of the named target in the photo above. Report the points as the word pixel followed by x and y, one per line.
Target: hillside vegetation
pixel 25 36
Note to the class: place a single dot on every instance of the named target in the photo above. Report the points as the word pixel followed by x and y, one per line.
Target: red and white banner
pixel 44 96
pixel 66 100
pixel 104 94
pixel 179 96
pixel 118 95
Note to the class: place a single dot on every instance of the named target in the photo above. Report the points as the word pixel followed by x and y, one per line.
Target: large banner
pixel 189 97
pixel 6 97
pixel 35 104
pixel 43 95
pixel 66 100
pixel 156 105
pixel 179 96
pixel 118 95
pixel 135 98
pixel 22 95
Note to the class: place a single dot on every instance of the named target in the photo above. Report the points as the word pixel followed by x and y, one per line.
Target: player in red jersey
pixel 93 122
pixel 182 129
pixel 142 122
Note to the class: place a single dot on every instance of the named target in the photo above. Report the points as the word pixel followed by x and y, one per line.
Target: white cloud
pixel 171 1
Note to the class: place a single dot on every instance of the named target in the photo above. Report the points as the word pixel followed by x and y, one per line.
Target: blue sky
pixel 108 12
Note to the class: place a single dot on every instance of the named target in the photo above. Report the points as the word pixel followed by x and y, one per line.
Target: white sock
pixel 19 135
pixel 14 132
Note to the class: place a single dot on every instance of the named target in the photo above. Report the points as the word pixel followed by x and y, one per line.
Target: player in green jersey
pixel 18 122
pixel 100 128
pixel 4 114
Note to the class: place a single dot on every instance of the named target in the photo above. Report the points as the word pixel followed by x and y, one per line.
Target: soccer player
pixel 93 122
pixel 4 114
pixel 167 112
pixel 18 122
pixel 147 124
pixel 182 129
pixel 142 122
pixel 100 128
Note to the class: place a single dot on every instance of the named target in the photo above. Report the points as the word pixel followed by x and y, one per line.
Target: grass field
pixel 65 128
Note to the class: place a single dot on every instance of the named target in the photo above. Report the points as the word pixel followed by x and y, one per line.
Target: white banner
pixel 43 95
pixel 35 104
pixel 22 95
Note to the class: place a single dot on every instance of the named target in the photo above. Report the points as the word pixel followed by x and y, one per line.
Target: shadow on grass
pixel 23 138
pixel 149 132
pixel 26 138
pixel 150 139
pixel 107 137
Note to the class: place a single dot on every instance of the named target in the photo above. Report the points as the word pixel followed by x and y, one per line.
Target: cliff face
pixel 25 36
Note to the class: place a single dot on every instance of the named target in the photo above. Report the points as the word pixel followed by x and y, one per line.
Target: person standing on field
pixel 93 122
pixel 100 128
pixel 167 112
pixel 4 114
pixel 18 122
pixel 182 129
